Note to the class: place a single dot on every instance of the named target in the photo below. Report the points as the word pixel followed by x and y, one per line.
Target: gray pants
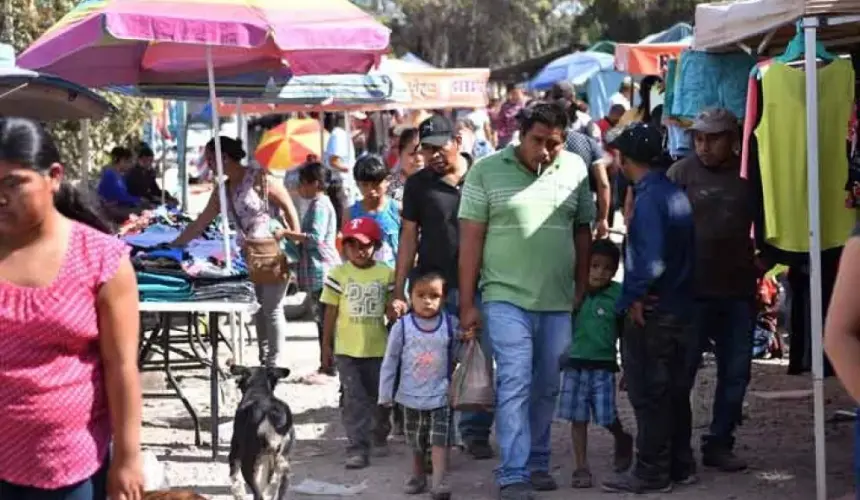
pixel 362 417
pixel 271 323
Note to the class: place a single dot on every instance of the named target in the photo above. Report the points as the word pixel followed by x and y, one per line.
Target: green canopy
pixel 604 46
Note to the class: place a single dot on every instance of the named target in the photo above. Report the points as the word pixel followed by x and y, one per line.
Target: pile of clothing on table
pixel 195 273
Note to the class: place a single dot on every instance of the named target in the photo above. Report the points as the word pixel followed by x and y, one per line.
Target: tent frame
pixel 811 25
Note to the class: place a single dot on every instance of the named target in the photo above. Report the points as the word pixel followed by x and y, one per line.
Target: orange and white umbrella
pixel 288 145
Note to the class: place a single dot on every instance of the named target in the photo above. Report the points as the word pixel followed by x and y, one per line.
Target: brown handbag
pixel 267 263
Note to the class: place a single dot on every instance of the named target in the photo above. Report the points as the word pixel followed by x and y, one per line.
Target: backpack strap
pixel 450 327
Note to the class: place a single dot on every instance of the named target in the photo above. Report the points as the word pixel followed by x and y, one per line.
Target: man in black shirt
pixel 431 199
pixel 140 179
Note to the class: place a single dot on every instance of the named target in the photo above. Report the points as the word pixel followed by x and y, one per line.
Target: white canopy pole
pixel 810 27
pixel 219 161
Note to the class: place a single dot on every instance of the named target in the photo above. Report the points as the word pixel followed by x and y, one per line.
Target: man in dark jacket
pixel 656 301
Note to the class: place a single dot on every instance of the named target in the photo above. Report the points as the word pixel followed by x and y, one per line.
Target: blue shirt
pixel 112 189
pixel 659 256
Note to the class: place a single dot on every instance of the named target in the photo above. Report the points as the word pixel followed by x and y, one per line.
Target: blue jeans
pixel 527 347
pixel 94 488
pixel 473 426
pixel 729 324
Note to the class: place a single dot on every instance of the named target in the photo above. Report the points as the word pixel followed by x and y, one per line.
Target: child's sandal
pixel 581 479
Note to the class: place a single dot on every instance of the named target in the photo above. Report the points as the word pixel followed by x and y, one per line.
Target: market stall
pixel 211 38
pixel 651 55
pixel 593 71
pixel 763 26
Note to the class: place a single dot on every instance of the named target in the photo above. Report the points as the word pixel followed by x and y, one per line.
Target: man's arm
pixel 406 252
pixel 474 215
pixel 472 235
pixel 604 196
pixel 582 220
pixel 646 250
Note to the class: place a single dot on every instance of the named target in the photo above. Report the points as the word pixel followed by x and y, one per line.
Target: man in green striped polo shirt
pixel 525 216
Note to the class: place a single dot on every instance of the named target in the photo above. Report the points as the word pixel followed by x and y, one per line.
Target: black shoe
pixel 543 481
pixel 518 491
pixel 629 483
pixel 480 450
pixel 723 459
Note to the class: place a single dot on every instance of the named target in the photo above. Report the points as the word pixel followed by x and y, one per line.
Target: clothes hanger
pixel 796 47
pixel 795 50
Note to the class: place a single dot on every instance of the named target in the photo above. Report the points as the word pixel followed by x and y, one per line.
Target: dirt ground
pixel 776 438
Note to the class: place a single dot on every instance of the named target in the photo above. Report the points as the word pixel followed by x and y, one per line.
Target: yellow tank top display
pixel 782 154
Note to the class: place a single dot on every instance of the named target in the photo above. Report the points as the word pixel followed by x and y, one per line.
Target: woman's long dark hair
pixel 25 142
pixel 645 87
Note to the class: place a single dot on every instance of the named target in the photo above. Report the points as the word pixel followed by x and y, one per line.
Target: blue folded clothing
pixel 163 288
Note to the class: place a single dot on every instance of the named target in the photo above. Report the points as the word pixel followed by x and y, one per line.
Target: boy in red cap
pixel 355 294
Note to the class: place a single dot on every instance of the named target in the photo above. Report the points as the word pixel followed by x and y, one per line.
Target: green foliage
pixel 462 33
pixel 480 33
pixel 27 20
pixel 632 20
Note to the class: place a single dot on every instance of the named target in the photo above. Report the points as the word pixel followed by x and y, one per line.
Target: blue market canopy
pixel 574 68
pixel 44 97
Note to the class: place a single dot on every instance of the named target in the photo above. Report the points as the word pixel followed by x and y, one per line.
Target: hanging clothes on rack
pixel 707 80
pixel 781 135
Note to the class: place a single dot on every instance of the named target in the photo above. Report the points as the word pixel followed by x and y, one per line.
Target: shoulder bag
pixel 267 263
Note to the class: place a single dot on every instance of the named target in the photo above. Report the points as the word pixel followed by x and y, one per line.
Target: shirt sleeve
pixel 332 287
pixel 318 227
pixel 644 263
pixel 597 152
pixel 411 202
pixel 391 363
pixel 676 173
pixel 474 201
pixel 113 189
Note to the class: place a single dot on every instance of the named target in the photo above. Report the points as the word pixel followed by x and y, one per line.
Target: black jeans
pixel 658 384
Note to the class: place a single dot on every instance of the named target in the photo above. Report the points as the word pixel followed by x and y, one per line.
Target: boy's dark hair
pixel 607 249
pixel 144 151
pixel 551 114
pixel 313 173
pixel 120 153
pixel 425 277
pixel 370 168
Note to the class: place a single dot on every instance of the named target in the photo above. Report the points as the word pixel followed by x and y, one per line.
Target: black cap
pixel 641 142
pixel 436 131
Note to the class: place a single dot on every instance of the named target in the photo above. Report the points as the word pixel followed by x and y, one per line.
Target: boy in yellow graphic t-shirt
pixel 355 294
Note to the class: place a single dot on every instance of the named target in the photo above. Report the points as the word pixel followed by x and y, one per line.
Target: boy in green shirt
pixel 588 383
pixel 355 295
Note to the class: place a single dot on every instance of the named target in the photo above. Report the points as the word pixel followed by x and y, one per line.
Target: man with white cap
pixel 726 272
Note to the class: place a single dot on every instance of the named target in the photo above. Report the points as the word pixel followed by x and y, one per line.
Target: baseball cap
pixel 364 230
pixel 641 142
pixel 436 131
pixel 715 121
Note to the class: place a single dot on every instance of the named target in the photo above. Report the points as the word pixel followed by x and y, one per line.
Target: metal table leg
pixel 214 339
pixel 165 345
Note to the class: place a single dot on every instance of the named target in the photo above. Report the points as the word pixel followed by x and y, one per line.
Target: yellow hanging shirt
pixel 782 154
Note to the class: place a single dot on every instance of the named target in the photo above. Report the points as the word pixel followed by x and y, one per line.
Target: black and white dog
pixel 263 435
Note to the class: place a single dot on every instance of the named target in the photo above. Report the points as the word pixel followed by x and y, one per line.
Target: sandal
pixel 581 479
